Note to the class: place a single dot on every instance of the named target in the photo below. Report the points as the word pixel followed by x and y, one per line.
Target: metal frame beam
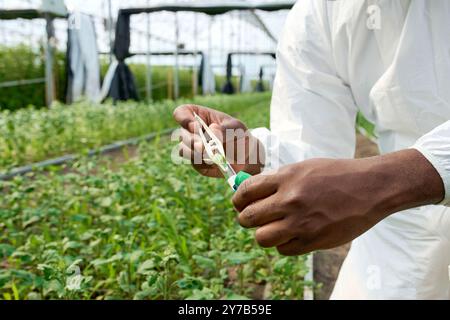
pixel 212 9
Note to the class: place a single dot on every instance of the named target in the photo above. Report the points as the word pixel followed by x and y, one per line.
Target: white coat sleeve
pixel 313 112
pixel 435 146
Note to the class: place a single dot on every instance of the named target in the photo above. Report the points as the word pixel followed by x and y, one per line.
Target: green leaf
pixel 114 258
pixel 204 262
pixel 204 294
pixel 135 255
pixel 54 286
pixel 234 296
pixel 106 202
pixel 238 258
pixel 190 283
pixel 71 245
pixel 4 279
pixel 146 267
pixel 31 221
pixel 280 264
pixel 124 281
pixel 6 250
pixel 176 184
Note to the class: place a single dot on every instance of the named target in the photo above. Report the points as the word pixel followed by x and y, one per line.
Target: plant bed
pixel 145 230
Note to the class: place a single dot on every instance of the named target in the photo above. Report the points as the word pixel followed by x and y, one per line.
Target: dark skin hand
pixel 320 203
pixel 191 146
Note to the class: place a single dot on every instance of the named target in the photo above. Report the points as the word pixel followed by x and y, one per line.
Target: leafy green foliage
pixel 137 233
pixel 145 229
pixel 21 63
pixel 366 126
pixel 162 80
pixel 30 135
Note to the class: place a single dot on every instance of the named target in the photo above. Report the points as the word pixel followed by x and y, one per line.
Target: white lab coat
pixel 333 61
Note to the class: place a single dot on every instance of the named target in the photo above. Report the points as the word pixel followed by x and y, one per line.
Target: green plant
pixel 30 135
pixel 23 63
pixel 143 229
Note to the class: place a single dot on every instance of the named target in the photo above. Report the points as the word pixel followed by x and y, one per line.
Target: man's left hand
pixel 322 204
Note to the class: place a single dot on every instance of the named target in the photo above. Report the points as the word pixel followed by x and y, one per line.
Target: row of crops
pixel 129 226
pixel 30 135
pixel 23 62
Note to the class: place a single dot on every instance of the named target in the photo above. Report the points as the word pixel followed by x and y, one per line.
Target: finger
pixel 274 234
pixel 218 131
pixel 295 247
pixel 261 213
pixel 196 160
pixel 184 115
pixel 191 155
pixel 229 130
pixel 254 189
pixel 192 141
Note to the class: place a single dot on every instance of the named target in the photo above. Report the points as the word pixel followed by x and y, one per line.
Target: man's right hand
pixel 249 157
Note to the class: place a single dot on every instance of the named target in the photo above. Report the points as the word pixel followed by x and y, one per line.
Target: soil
pixel 328 263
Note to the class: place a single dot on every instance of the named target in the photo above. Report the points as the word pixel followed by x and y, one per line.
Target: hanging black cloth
pixel 200 72
pixel 68 70
pixel 123 84
pixel 228 88
pixel 260 84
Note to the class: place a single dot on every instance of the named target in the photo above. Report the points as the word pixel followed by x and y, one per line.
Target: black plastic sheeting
pixel 228 88
pixel 212 9
pixel 123 85
pixel 122 43
pixel 260 85
pixel 69 73
pixel 200 72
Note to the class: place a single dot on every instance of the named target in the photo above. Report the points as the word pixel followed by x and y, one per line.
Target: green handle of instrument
pixel 240 178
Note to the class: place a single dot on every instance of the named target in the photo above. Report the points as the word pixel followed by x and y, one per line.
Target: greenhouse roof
pixel 29 14
pixel 215 9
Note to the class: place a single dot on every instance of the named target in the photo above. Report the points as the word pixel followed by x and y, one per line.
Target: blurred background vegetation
pixel 22 62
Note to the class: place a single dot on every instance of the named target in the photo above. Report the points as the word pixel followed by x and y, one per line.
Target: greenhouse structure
pixel 122 85
pixel 220 150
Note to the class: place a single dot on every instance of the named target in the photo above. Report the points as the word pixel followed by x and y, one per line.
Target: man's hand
pixel 191 146
pixel 322 204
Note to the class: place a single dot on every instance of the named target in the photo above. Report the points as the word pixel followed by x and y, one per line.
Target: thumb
pixel 229 129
